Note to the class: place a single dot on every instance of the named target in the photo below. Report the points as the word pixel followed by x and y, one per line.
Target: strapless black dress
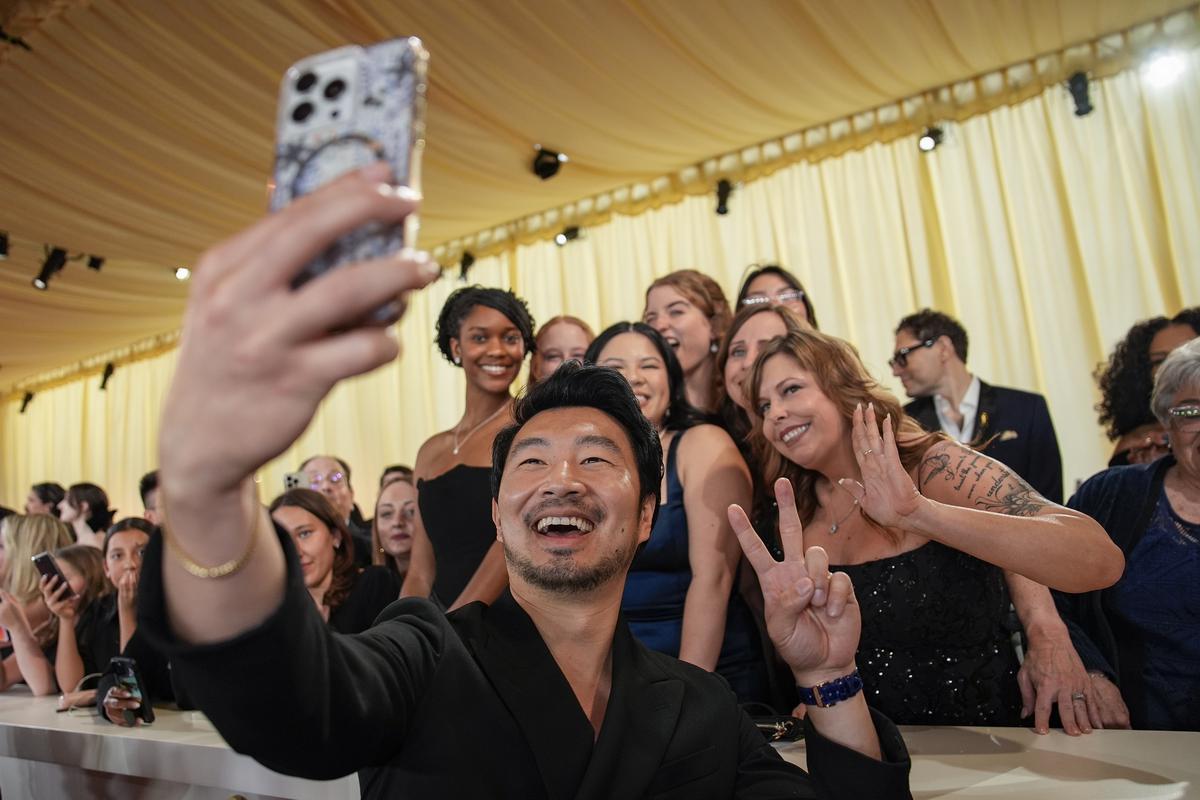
pixel 456 509
pixel 934 648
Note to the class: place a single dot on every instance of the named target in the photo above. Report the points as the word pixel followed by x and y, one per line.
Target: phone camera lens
pixel 305 82
pixel 334 88
pixel 302 112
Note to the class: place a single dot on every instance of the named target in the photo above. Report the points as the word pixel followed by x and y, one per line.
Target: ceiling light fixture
pixel 56 259
pixel 108 373
pixel 1077 86
pixel 930 139
pixel 724 189
pixel 546 162
pixel 95 262
pixel 182 273
pixel 3 245
pixel 1164 68
pixel 568 234
pixel 26 400
pixel 464 265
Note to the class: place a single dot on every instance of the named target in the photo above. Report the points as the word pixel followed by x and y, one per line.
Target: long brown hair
pixel 841 376
pixel 704 293
pixel 88 562
pixel 344 571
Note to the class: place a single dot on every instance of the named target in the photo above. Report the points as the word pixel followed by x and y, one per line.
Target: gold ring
pixel 868 451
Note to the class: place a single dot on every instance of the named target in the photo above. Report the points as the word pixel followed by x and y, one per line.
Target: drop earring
pixel 714 347
pixel 457 361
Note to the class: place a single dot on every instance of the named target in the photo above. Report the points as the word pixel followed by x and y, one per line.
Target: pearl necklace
pixel 458 445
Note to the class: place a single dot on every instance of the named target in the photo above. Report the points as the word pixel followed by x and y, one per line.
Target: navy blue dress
pixel 657 587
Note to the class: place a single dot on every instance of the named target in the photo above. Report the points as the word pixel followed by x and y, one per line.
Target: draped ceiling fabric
pixel 142 132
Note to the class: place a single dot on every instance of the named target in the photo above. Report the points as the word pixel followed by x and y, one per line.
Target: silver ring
pixel 1078 696
pixel 868 451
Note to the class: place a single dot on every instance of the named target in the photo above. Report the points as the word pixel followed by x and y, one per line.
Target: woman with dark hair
pixel 85 509
pixel 44 499
pixel 681 596
pixel 773 285
pixel 1127 378
pixel 455 555
pixel 690 311
pixel 348 598
pixel 925 528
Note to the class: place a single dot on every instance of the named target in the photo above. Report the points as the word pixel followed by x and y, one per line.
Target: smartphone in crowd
pixel 295 480
pixel 342 110
pixel 129 677
pixel 48 567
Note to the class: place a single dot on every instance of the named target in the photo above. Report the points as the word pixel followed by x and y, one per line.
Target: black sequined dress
pixel 934 649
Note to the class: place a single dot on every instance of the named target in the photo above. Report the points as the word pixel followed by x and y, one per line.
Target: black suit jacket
pixel 473 705
pixel 1021 434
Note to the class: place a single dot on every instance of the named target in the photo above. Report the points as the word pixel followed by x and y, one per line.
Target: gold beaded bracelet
pixel 189 563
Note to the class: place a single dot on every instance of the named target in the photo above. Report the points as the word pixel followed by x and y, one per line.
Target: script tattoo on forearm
pixel 987 483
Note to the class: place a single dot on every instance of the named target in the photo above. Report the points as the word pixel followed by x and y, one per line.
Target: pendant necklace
pixel 834 527
pixel 458 445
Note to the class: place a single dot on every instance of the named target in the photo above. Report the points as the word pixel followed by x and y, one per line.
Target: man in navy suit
pixel 1009 425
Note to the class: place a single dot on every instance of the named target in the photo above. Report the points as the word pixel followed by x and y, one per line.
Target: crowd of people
pixel 978 597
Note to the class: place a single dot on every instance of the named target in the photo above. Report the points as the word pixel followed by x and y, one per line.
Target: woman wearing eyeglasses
pixel 926 529
pixel 1143 634
pixel 771 284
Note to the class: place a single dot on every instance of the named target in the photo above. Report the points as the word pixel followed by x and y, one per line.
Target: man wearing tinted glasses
pixel 330 476
pixel 1010 425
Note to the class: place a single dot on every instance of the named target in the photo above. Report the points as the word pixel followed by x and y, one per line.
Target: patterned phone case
pixel 339 111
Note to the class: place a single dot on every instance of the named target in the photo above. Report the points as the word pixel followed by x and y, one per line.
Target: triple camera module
pixel 304 84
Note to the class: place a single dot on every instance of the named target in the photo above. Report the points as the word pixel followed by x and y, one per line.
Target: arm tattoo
pixel 988 484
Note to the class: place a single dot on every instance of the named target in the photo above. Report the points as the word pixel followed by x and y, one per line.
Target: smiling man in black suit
pixel 1010 425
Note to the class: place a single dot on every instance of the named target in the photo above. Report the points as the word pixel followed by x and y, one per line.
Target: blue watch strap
pixel 831 692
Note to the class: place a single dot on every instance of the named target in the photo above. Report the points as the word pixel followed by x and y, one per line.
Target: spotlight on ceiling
pixel 1077 85
pixel 1164 68
pixel 464 265
pixel 724 189
pixel 26 400
pixel 568 234
pixel 95 262
pixel 55 260
pixel 546 162
pixel 930 139
pixel 108 373
pixel 3 245
pixel 182 273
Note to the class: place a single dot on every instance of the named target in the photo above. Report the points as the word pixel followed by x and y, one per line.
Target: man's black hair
pixel 574 385
pixel 681 414
pixel 930 324
pixel 459 304
pixel 147 484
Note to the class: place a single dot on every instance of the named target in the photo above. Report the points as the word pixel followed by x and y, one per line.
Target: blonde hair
pixel 841 376
pixel 379 557
pixel 25 537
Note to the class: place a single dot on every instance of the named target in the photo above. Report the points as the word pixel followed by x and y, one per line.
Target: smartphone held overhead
pixel 340 111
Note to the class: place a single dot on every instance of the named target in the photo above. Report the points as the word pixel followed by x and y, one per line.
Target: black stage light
pixel 3 245
pixel 930 139
pixel 26 400
pixel 108 373
pixel 546 162
pixel 55 260
pixel 568 234
pixel 95 262
pixel 724 189
pixel 465 264
pixel 1077 85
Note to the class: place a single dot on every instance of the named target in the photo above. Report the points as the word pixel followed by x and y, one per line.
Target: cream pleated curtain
pixel 1046 234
